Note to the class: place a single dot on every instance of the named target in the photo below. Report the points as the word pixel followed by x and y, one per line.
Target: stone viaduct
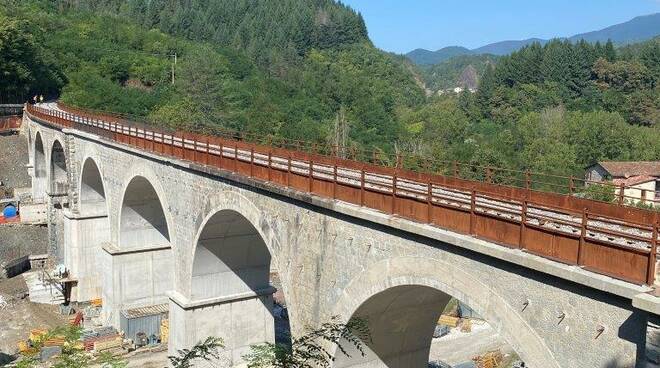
pixel 139 228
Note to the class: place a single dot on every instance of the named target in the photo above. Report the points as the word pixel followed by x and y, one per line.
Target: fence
pixel 9 123
pixel 606 238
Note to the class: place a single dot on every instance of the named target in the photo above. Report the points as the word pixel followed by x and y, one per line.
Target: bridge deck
pixel 605 238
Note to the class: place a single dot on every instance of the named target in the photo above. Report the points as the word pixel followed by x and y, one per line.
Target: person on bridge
pixel 35 99
pixel 41 98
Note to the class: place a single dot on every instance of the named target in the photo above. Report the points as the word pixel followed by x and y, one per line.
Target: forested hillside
pixel 110 62
pixel 450 73
pixel 553 108
pixel 266 31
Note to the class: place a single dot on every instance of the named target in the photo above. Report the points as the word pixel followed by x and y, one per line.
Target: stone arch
pixel 92 195
pixel 230 257
pixel 229 275
pixel 143 222
pixel 429 282
pixel 229 200
pixel 40 177
pixel 58 178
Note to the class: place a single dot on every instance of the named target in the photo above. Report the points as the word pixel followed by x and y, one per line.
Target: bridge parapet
pixel 605 238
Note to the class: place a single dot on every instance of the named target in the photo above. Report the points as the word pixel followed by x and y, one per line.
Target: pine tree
pixel 610 52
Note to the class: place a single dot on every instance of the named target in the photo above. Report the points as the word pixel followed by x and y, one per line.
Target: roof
pixel 634 180
pixel 625 169
pixel 145 311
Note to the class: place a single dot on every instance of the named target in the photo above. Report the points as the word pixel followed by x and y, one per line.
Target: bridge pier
pixel 134 278
pixel 240 320
pixel 84 237
pixel 55 203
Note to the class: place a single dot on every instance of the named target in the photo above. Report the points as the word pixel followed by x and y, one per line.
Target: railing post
pixel 456 172
pixel 622 189
pixel 270 163
pixel 583 235
pixel 334 174
pixel 489 174
pixel 650 276
pixel 235 157
pixel 571 185
pixel 310 177
pixel 528 180
pixel 362 186
pixel 429 202
pixel 251 162
pixel 473 206
pixel 288 171
pixel 523 221
pixel 208 149
pixel 394 179
pixel 222 153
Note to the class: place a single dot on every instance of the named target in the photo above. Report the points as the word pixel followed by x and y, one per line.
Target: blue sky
pixel 404 25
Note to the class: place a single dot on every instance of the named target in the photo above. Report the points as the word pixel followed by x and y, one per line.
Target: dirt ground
pixel 13 158
pixel 18 315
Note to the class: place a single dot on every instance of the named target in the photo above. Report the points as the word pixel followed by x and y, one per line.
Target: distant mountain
pixel 638 29
pixel 506 47
pixel 426 57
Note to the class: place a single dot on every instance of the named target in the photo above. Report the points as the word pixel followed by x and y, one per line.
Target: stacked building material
pixel 448 321
pixel 102 334
pixel 54 341
pixel 111 343
pixel 164 331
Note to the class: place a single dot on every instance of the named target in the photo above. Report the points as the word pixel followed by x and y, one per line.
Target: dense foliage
pixel 457 71
pixel 553 108
pixel 112 63
pixel 26 67
pixel 315 349
pixel 267 31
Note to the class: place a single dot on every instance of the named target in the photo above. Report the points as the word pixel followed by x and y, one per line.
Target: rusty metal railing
pixel 605 238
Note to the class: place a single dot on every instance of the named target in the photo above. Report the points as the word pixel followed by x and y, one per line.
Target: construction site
pixel 34 290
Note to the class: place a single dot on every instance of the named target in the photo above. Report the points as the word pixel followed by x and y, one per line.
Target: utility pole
pixel 341 132
pixel 173 68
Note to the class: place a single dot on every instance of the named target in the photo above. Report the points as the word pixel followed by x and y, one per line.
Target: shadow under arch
pixel 142 220
pixel 58 169
pixel 403 298
pixel 230 258
pixel 92 195
pixel 40 178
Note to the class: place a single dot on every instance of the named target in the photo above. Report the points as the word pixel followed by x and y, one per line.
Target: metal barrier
pixel 605 238
pixel 10 123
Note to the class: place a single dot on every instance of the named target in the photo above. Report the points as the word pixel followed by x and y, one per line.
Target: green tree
pixel 314 349
pixel 206 350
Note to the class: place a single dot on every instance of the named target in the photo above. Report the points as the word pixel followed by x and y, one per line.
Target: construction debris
pixel 492 359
